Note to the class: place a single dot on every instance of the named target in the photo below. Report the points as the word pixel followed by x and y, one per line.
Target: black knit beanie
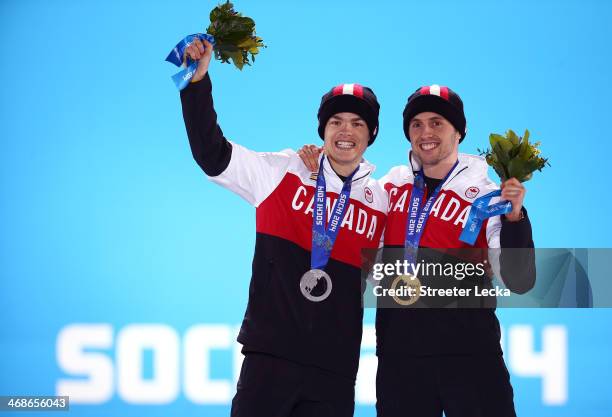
pixel 351 98
pixel 436 99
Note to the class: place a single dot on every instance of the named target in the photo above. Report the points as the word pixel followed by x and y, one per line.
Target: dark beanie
pixel 436 99
pixel 351 98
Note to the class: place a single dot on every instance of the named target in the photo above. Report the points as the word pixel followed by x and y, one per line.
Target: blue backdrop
pixel 124 272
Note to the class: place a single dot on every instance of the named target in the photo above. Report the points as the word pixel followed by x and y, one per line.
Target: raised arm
pixel 209 147
pixel 252 175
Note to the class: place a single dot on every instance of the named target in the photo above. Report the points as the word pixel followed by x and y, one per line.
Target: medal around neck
pixel 406 289
pixel 313 288
pixel 233 38
pixel 323 238
pixel 511 157
pixel 419 213
pixel 408 292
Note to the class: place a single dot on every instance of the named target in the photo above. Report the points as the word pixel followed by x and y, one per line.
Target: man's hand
pixel 514 191
pixel 310 156
pixel 201 52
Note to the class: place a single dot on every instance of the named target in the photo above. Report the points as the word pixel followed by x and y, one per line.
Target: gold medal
pixel 408 285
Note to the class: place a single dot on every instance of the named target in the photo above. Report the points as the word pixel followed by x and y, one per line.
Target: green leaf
pixel 525 150
pixel 514 139
pixel 505 148
pixel 494 138
pixel 502 160
pixel 514 151
pixel 501 172
pixel 517 169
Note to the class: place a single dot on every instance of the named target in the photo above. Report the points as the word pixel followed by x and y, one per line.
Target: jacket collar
pixel 475 164
pixel 364 171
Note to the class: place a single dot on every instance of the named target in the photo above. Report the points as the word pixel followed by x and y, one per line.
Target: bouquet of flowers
pixel 513 156
pixel 232 36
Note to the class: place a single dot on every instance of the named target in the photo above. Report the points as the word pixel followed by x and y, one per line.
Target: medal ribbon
pixel 418 215
pixel 481 211
pixel 183 78
pixel 323 238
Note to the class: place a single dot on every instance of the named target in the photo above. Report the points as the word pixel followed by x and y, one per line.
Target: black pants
pixel 461 386
pixel 275 387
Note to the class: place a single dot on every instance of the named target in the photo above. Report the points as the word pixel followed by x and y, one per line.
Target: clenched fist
pixel 201 52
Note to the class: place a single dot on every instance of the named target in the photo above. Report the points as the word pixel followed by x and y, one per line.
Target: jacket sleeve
pixel 512 253
pixel 252 175
pixel 209 147
pixel 517 258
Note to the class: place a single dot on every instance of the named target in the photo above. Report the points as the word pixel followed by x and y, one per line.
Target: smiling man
pixel 301 332
pixel 448 359
pixel 345 152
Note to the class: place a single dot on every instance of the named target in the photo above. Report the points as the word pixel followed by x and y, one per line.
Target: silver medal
pixel 310 280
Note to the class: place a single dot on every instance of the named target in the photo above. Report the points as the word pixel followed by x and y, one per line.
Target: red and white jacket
pixel 450 211
pixel 279 320
pixel 409 332
pixel 282 189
